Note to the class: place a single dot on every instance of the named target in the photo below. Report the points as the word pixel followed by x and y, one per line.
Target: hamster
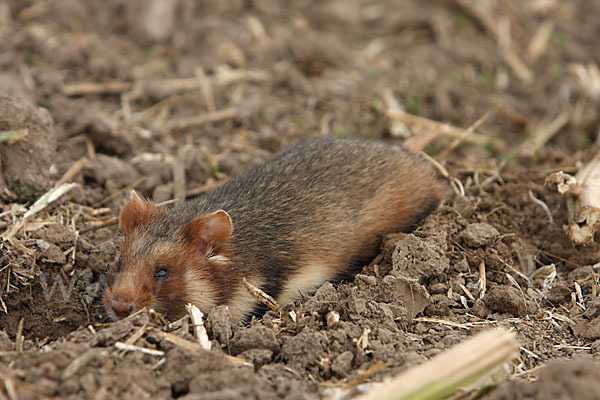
pixel 313 213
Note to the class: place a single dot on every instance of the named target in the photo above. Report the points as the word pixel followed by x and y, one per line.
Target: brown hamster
pixel 315 212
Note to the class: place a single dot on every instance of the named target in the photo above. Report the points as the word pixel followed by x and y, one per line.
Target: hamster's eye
pixel 161 273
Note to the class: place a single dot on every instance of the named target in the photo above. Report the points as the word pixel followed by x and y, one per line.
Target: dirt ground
pixel 173 97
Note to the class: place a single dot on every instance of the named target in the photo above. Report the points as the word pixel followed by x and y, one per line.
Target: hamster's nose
pixel 121 307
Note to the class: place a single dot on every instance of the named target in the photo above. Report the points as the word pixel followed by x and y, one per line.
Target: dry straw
pixel 466 364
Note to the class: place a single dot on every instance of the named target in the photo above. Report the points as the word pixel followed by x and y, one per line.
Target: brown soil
pixel 264 74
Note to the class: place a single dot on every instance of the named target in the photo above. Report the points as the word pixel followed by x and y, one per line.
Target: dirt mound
pixel 28 164
pixel 564 380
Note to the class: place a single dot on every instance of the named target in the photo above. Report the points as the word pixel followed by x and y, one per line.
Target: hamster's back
pixel 318 210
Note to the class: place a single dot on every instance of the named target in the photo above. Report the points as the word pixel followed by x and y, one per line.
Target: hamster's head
pixel 164 266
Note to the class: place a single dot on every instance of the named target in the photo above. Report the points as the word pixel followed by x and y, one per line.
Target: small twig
pixel 488 21
pixel 129 347
pixel 514 282
pixel 541 204
pixel 542 135
pixel 539 41
pixel 87 88
pixel 98 225
pixel 459 139
pixel 201 119
pixel 72 171
pixel 452 131
pixel 442 321
pixel 436 164
pixel 135 337
pixel 513 269
pixel 164 105
pixel 206 87
pixel 397 128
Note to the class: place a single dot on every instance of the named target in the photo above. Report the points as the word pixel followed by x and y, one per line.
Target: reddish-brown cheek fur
pixel 171 295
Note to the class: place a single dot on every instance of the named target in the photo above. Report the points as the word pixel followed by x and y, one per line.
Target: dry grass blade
pixel 12 136
pixel 72 171
pixel 11 390
pixel 543 134
pixel 442 321
pixel 539 41
pixel 513 269
pixel 452 131
pixel 397 128
pixel 226 76
pixel 588 78
pixel 163 106
pixel 47 198
pixel 201 119
pixel 135 337
pixel 99 225
pixel 43 202
pixel 482 281
pixel 19 337
pixel 130 347
pixel 463 365
pixel 467 292
pixel 87 88
pixel 489 22
pixel 263 297
pixel 118 192
pixel 366 374
pixel 198 324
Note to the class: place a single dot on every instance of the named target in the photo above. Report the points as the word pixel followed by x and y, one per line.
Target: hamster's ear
pixel 136 213
pixel 208 228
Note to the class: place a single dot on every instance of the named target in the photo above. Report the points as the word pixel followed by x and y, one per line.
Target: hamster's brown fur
pixel 315 212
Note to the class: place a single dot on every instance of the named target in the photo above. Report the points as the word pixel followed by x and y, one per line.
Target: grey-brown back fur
pixel 306 202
